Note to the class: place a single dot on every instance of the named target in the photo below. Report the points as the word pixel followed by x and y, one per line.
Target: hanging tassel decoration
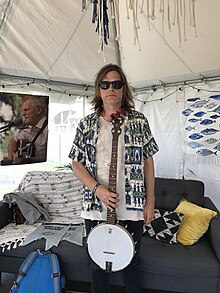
pixel 115 16
pixel 173 13
pixel 163 17
pixel 193 15
pixel 133 5
pixel 100 15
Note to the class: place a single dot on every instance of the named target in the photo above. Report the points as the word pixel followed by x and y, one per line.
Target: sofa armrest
pixel 213 232
pixel 4 214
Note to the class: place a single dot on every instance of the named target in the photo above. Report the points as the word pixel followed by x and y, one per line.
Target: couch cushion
pixel 164 226
pixel 169 192
pixel 179 268
pixel 195 223
pixel 178 260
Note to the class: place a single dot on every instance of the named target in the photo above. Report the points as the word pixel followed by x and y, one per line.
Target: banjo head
pixel 110 246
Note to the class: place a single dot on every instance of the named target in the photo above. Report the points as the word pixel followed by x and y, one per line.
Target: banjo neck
pixel 117 121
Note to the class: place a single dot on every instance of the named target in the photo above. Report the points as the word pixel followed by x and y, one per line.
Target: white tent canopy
pixel 51 47
pixel 56 41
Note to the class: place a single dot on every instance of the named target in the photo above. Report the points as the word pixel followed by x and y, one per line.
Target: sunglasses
pixel 116 84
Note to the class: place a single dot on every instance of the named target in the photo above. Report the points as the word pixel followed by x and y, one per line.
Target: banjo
pixel 109 244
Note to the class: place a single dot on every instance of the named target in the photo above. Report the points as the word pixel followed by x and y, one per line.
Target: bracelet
pixel 95 188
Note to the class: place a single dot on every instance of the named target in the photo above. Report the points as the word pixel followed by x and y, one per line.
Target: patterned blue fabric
pixel 139 145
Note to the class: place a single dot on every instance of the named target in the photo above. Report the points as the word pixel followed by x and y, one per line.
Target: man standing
pixel 91 162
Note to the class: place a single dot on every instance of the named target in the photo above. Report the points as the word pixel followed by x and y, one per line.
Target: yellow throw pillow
pixel 195 222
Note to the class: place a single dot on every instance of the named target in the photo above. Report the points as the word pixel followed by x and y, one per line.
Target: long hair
pixel 127 100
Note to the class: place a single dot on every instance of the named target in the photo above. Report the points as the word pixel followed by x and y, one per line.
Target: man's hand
pixel 148 213
pixel 110 199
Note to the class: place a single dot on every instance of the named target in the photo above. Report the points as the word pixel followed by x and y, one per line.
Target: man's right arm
pixel 110 199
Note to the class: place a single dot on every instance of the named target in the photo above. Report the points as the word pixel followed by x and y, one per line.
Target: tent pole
pixel 116 44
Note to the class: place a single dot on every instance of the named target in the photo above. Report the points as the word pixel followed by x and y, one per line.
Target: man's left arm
pixel 149 185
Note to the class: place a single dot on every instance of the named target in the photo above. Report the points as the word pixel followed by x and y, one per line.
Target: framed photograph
pixel 23 128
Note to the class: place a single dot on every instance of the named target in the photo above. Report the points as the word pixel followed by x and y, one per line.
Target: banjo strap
pixel 40 131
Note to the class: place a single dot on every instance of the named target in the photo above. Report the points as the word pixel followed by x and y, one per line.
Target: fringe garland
pixel 115 16
pixel 167 8
pixel 100 15
pixel 12 235
pixel 11 244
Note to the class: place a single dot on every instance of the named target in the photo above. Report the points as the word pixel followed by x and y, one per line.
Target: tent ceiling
pixel 165 60
pixel 56 41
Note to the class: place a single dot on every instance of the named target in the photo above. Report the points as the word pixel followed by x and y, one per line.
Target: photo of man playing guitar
pixel 29 145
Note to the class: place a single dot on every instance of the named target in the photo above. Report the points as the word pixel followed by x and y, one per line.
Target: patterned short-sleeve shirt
pixel 139 145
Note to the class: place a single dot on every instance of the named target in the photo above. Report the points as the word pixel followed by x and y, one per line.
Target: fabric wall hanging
pixel 202 129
